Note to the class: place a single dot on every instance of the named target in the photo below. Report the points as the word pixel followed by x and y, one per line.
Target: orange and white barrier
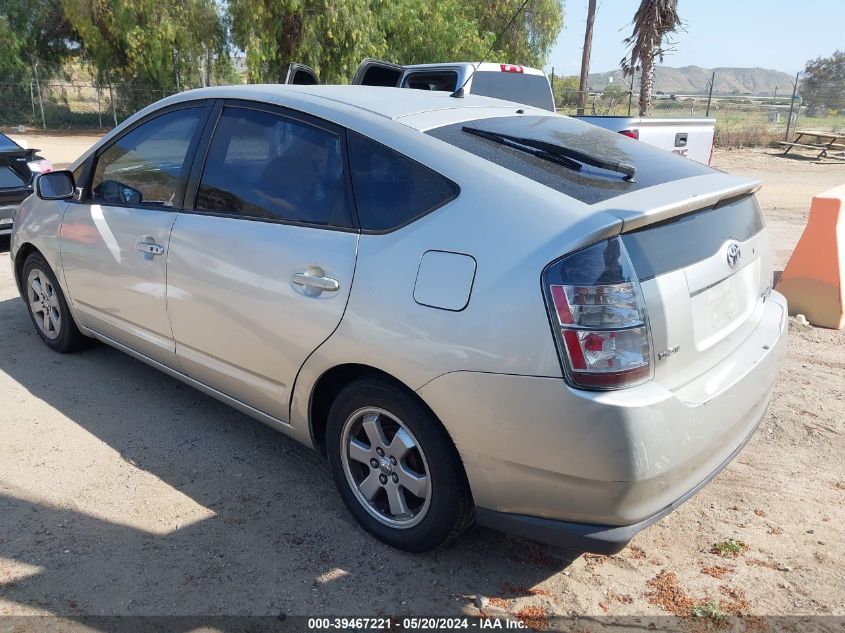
pixel 814 279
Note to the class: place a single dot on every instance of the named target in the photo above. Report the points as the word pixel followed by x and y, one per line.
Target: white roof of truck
pixel 486 67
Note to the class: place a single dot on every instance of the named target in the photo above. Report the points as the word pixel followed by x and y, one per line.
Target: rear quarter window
pixel 391 189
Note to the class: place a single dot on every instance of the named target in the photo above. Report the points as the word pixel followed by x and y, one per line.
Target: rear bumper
pixel 585 537
pixel 588 470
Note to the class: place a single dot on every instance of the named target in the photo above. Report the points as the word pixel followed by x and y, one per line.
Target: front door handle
pixel 316 282
pixel 149 249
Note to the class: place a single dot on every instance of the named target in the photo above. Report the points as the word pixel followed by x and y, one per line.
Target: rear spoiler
pixel 662 202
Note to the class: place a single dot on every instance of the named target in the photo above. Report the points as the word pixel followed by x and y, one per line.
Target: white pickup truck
pixel 691 138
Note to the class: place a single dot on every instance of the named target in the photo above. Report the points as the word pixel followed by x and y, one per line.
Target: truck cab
pixel 510 82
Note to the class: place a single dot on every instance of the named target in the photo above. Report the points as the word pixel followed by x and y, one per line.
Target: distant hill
pixel 693 80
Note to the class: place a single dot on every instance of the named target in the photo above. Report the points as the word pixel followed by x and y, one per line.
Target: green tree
pixel 530 38
pixel 653 22
pixel 161 43
pixel 330 36
pixel 566 91
pixel 422 32
pixel 34 30
pixel 824 81
pixel 333 36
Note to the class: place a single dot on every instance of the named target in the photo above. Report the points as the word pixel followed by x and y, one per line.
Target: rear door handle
pixel 320 283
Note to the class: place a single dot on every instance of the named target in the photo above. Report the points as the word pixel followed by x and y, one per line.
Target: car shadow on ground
pixel 272 535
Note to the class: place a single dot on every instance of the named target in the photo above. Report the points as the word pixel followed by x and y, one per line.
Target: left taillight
pixel 598 317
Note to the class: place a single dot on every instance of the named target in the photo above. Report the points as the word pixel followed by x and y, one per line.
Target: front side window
pixel 266 166
pixel 143 166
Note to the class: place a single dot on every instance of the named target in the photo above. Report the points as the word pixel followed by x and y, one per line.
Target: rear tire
pixel 48 308
pixel 396 467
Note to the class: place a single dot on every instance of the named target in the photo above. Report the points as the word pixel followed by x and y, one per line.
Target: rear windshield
pixel 10 179
pixel 666 246
pixel 590 185
pixel 531 90
pixel 7 143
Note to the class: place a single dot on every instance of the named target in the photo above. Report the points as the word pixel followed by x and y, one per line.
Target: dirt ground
pixel 123 491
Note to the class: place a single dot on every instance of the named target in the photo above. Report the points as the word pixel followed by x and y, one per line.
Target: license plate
pixel 5 221
pixel 719 310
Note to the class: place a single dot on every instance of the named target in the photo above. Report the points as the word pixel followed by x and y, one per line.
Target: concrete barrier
pixel 814 279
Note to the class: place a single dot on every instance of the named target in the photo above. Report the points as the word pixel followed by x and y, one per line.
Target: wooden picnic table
pixel 826 141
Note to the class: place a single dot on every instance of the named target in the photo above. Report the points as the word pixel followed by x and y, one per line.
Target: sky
pixel 775 34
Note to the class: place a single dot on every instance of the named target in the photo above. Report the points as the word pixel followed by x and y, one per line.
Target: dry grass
pixel 667 594
pixel 716 571
pixel 735 134
pixel 515 590
pixel 533 617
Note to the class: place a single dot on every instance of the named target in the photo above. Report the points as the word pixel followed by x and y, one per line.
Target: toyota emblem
pixel 734 255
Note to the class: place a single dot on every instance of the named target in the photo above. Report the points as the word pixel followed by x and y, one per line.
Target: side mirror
pixel 55 185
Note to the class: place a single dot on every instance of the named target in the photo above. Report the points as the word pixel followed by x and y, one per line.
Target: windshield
pixel 653 166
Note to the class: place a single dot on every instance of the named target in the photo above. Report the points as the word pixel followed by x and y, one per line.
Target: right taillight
pixel 598 317
pixel 631 133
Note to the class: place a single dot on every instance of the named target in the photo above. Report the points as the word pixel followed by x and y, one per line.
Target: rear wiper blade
pixel 566 155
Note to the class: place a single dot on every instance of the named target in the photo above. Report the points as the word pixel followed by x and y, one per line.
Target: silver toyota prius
pixel 478 310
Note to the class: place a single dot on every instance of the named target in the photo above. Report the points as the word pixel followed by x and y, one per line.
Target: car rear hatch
pixel 695 236
pixel 705 275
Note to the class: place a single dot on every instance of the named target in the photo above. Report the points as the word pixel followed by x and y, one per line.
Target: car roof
pixel 390 103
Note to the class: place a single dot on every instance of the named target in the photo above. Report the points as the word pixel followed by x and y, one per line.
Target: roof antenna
pixel 459 93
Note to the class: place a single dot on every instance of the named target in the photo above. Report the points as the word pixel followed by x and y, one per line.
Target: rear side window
pixel 143 166
pixel 429 80
pixel 266 166
pixel 531 90
pixel 678 242
pixel 392 190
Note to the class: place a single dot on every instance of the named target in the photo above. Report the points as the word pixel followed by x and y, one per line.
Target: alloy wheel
pixel 386 468
pixel 44 303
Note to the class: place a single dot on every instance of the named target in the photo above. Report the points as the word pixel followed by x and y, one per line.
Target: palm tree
pixel 653 21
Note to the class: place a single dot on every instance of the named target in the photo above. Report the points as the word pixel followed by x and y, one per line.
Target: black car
pixel 18 168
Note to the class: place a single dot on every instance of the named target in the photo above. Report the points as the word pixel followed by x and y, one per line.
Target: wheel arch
pixel 332 381
pixel 26 249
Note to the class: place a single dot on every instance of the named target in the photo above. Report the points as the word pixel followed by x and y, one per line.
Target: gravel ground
pixel 123 491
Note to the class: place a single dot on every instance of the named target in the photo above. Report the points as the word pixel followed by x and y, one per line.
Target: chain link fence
pixel 72 105
pixel 741 120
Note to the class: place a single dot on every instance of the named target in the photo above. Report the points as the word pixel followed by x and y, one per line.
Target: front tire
pixel 396 467
pixel 48 308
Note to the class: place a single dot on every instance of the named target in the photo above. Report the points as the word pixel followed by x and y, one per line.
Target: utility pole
pixel 710 93
pixel 585 57
pixel 553 85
